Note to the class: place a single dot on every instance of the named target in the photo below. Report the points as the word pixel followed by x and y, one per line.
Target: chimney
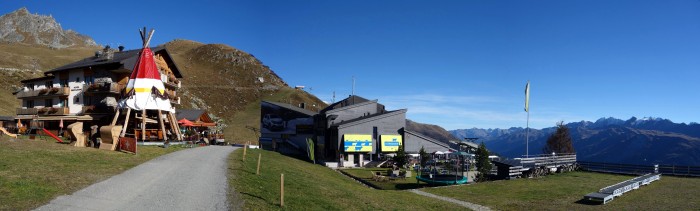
pixel 121 48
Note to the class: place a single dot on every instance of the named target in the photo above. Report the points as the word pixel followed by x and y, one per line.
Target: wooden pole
pixel 177 127
pixel 257 172
pixel 143 125
pixel 281 190
pixel 114 120
pixel 173 127
pixel 126 122
pixel 244 148
pixel 162 125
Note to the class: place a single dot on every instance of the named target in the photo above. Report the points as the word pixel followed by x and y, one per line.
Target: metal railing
pixel 676 170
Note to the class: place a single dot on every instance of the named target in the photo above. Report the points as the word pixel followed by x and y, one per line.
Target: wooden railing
pixel 114 88
pixel 43 111
pixel 53 91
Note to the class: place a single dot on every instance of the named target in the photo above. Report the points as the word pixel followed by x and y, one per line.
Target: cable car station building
pixel 346 133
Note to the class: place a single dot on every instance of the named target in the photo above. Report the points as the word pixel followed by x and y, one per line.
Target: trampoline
pixel 442 179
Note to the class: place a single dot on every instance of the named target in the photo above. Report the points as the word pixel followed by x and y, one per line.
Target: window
pixel 49 84
pixel 64 82
pixel 30 103
pixel 63 102
pixel 89 79
pixel 48 102
pixel 30 86
pixel 77 79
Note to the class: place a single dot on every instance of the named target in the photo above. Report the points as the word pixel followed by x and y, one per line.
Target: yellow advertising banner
pixel 391 143
pixel 357 143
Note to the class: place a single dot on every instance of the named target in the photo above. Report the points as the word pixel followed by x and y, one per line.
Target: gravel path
pixel 462 203
pixel 191 179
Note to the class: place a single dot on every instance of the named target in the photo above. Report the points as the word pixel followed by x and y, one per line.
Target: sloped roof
pixel 443 144
pixel 293 108
pixel 371 117
pixel 125 59
pixel 7 118
pixel 189 114
pixel 351 100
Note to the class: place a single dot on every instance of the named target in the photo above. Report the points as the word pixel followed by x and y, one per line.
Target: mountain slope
pixel 635 141
pixel 230 84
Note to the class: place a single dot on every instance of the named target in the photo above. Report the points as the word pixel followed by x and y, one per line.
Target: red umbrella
pixel 185 122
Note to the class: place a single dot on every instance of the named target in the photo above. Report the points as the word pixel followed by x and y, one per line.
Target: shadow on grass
pixel 586 202
pixel 261 198
pixel 407 186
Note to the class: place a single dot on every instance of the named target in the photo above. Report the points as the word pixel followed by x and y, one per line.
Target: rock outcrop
pixel 21 26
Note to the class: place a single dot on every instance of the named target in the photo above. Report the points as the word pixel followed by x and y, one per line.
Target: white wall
pixel 76 91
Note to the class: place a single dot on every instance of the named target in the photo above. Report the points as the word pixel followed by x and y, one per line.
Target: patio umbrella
pixel 185 122
pixel 60 126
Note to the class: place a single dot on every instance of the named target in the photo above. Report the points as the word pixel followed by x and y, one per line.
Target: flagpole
pixel 527 109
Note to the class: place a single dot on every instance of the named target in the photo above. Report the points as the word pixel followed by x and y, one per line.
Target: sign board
pixel 357 143
pixel 127 144
pixel 391 143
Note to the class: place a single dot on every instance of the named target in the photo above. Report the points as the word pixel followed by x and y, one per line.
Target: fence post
pixel 244 150
pixel 257 172
pixel 281 190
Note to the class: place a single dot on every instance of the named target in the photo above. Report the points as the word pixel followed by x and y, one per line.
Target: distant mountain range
pixel 633 141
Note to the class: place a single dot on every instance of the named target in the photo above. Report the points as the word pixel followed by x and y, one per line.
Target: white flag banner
pixel 527 97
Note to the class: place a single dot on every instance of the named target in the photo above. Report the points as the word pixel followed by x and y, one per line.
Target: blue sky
pixel 457 64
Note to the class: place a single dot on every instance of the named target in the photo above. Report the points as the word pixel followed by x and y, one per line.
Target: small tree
pixel 423 157
pixel 483 165
pixel 401 159
pixel 560 141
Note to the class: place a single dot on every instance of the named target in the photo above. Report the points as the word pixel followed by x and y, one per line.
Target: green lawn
pixel 565 191
pixel 312 187
pixel 366 174
pixel 33 172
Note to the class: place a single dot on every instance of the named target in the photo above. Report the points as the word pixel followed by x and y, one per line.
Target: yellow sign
pixel 357 143
pixel 391 143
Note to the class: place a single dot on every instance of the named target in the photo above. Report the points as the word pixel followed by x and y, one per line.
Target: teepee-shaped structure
pixel 144 91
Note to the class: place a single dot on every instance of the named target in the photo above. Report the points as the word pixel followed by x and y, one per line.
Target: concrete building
pixel 346 133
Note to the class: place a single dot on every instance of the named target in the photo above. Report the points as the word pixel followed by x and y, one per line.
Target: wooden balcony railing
pixel 43 111
pixel 114 88
pixel 51 92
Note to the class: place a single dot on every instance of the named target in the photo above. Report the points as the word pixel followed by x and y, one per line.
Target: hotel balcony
pixel 171 82
pixel 43 111
pixel 103 88
pixel 91 109
pixel 46 92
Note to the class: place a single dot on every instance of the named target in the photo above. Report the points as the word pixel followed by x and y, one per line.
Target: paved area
pixel 462 203
pixel 191 179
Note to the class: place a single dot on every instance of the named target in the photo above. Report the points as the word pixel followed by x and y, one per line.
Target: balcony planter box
pixel 53 90
pixel 43 91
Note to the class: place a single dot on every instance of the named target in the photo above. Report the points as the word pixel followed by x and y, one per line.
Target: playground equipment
pixel 110 137
pixel 8 133
pixel 76 133
pixel 52 135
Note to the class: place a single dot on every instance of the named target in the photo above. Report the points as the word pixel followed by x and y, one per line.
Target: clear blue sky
pixel 457 64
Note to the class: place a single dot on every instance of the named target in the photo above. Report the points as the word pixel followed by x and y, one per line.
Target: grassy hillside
pixel 230 84
pixel 311 187
pixel 565 191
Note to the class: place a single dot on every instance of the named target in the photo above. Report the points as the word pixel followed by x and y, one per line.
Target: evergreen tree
pixel 423 157
pixel 483 164
pixel 401 159
pixel 560 141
